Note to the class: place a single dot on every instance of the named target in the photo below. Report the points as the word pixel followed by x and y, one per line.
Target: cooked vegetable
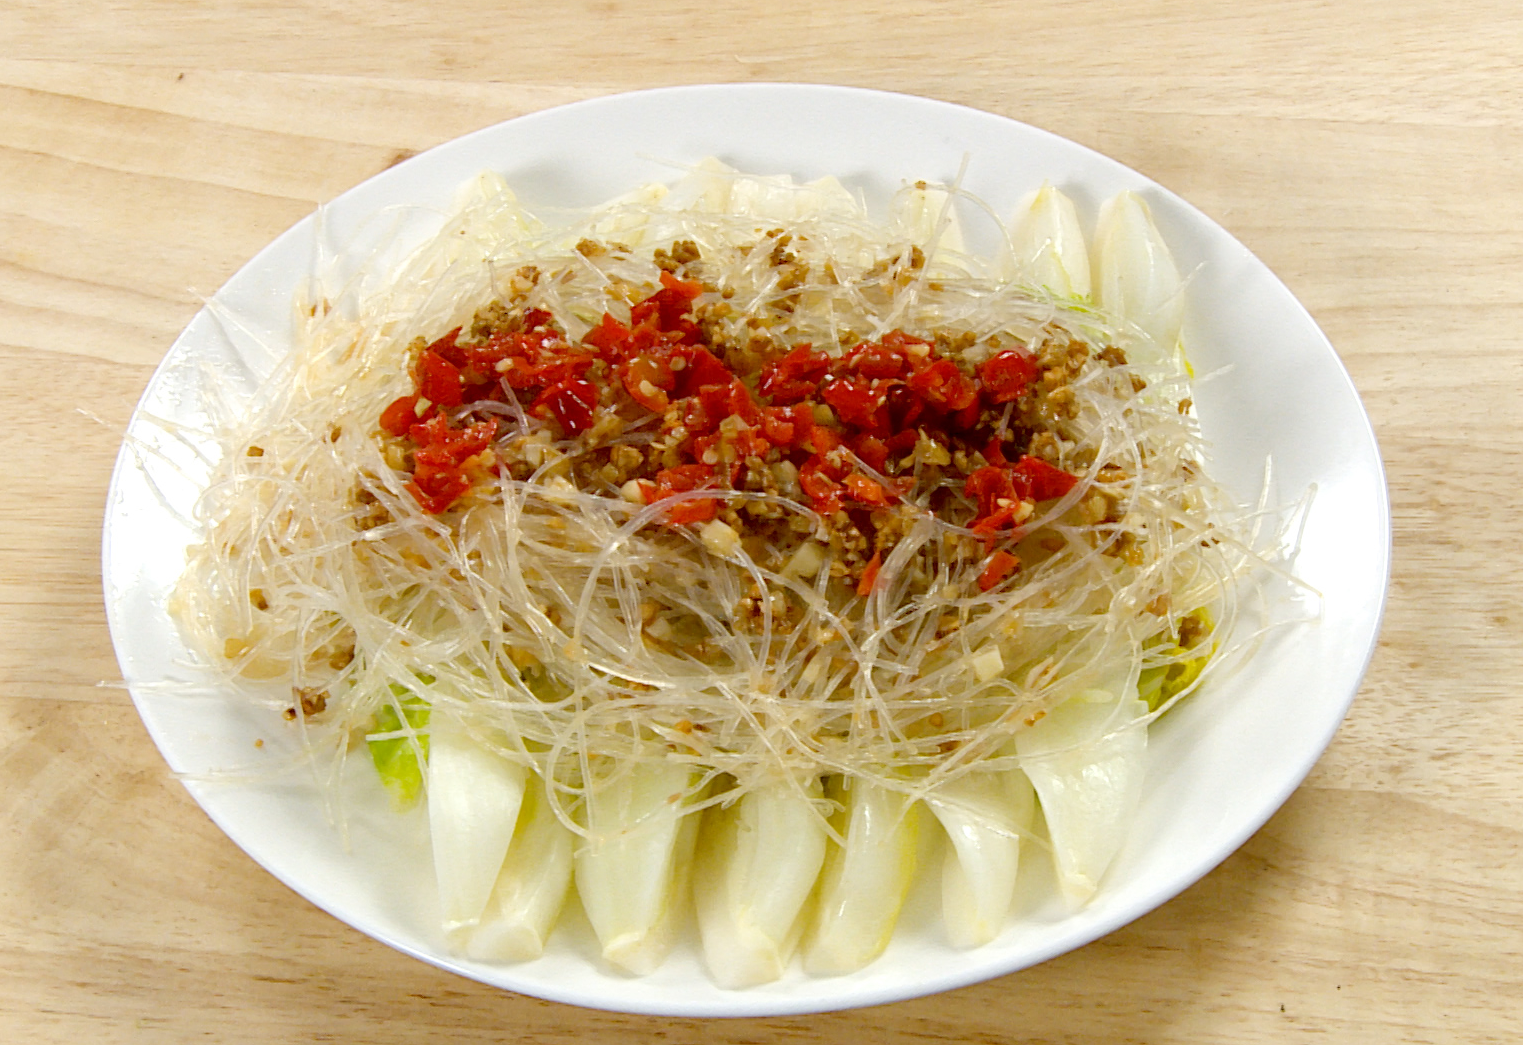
pixel 866 879
pixel 633 864
pixel 1049 246
pixel 1085 761
pixel 531 887
pixel 757 865
pixel 731 511
pixel 1183 661
pixel 399 751
pixel 985 815
pixel 473 799
pixel 1138 279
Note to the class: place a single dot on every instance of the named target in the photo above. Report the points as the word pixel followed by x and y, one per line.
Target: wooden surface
pixel 1370 152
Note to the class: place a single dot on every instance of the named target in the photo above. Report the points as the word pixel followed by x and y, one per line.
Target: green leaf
pixel 396 758
pixel 1161 684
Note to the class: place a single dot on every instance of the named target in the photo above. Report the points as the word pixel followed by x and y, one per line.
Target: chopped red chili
pixel 438 379
pixel 884 396
pixel 1001 565
pixel 648 380
pixel 1042 481
pixel 439 478
pixel 682 479
pixel 870 575
pixel 866 490
pixel 1006 376
pixel 401 415
pixel 823 490
pixel 607 336
pixel 795 376
pixel 945 387
pixel 668 308
pixel 572 402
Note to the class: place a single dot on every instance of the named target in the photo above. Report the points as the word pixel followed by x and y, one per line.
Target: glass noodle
pixel 587 689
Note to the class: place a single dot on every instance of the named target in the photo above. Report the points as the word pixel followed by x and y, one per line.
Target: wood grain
pixel 1370 152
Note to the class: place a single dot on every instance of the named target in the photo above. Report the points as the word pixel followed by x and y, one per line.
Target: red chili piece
pixel 438 379
pixel 795 376
pixel 572 402
pixel 1001 565
pixel 1006 376
pixel 439 479
pixel 1043 481
pixel 401 415
pixel 870 575
pixel 683 478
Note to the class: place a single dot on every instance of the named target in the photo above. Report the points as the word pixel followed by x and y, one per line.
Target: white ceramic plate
pixel 1219 765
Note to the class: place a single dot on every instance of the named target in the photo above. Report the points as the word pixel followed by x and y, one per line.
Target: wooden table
pixel 1370 152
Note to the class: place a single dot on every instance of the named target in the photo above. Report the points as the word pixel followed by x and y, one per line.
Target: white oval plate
pixel 1219 765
